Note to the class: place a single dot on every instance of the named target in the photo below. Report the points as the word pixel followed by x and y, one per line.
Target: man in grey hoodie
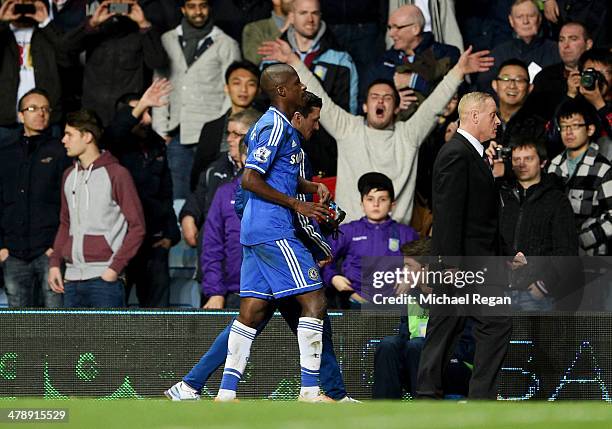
pixel 101 220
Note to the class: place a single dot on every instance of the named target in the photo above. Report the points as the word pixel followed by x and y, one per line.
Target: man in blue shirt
pixel 275 263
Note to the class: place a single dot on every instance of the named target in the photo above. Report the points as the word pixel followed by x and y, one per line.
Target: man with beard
pixel 143 152
pixel 199 54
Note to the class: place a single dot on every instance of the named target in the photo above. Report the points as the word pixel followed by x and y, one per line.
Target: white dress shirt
pixel 473 141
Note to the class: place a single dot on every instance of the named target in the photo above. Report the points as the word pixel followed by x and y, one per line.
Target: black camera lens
pixel 587 82
pixel 590 78
pixel 503 152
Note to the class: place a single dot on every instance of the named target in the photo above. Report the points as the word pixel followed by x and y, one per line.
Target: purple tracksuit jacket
pixel 362 238
pixel 221 251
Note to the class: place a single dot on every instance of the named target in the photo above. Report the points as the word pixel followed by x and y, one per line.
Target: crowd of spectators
pixel 111 111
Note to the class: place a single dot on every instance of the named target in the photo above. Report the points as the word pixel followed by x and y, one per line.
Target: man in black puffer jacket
pixel 537 220
pixel 31 171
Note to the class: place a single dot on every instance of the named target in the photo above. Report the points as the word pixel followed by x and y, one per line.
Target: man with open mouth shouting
pixel 379 143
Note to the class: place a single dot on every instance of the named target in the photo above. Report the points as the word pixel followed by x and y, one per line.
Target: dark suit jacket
pixel 208 148
pixel 465 202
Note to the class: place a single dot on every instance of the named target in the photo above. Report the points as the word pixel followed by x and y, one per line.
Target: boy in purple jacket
pixel 375 234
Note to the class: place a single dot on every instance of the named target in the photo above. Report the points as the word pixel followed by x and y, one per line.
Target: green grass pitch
pixel 153 414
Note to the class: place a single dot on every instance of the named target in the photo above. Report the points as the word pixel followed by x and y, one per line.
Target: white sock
pixel 310 341
pixel 238 349
pixel 225 395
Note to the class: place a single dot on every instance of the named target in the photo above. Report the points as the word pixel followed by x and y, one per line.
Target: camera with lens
pixel 330 223
pixel 503 153
pixel 591 78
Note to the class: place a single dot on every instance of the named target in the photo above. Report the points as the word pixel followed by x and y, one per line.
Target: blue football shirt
pixel 273 151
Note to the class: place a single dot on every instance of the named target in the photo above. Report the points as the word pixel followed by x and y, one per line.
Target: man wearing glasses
pixel 416 63
pixel 587 176
pixel 222 170
pixel 513 88
pixel 30 185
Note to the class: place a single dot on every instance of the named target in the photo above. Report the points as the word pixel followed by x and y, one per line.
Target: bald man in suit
pixel 465 213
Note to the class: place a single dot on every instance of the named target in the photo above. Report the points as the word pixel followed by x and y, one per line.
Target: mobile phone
pixel 24 9
pixel 119 8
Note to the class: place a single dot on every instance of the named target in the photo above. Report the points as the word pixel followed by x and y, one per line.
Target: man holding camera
pixel 595 84
pixel 591 82
pixel 550 85
pixel 121 45
pixel 30 53
pixel 537 220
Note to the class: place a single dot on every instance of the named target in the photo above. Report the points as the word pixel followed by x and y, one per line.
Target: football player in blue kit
pixel 306 121
pixel 276 264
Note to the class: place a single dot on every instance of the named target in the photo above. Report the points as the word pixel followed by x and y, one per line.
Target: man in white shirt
pixel 30 59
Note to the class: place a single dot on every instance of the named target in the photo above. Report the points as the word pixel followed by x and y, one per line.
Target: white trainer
pixel 347 398
pixel 181 391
